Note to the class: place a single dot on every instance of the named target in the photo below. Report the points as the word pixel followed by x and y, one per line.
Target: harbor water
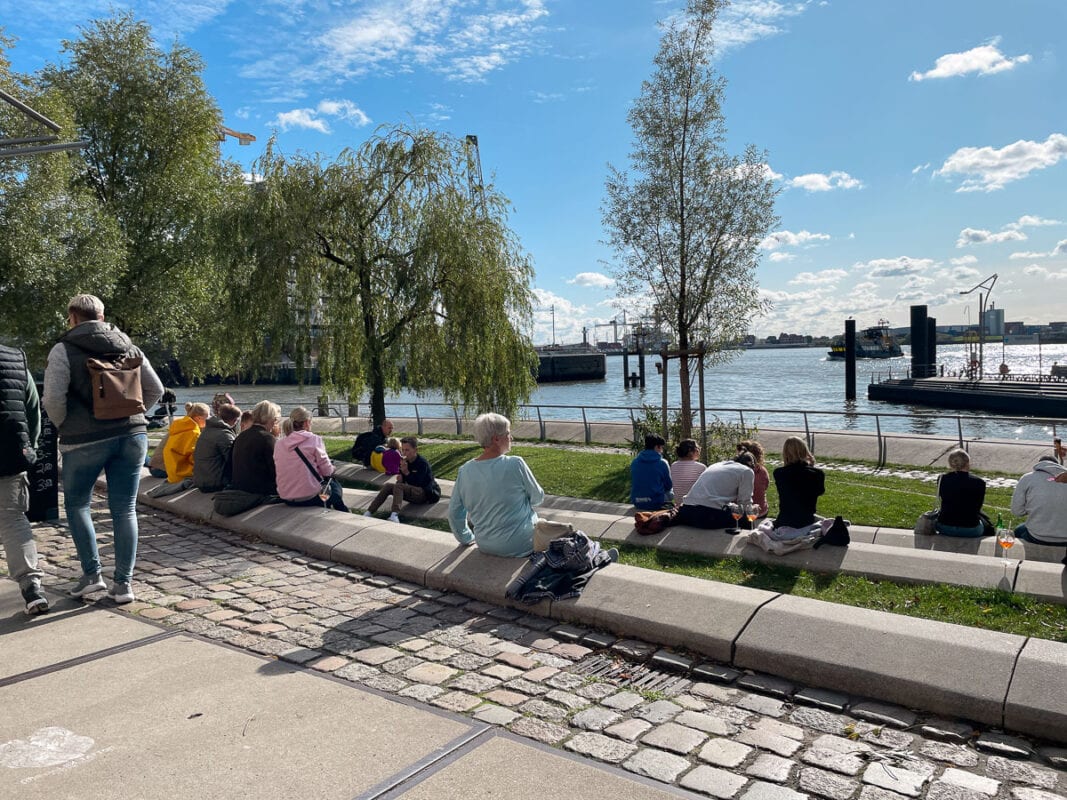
pixel 772 387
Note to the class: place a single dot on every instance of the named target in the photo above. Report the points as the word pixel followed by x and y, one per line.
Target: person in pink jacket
pixel 302 466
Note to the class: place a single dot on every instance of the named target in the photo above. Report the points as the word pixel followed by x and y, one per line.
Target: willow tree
pixel 685 225
pixel 382 262
pixel 153 164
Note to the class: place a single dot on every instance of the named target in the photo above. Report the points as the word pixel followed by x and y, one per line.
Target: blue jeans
pixel 336 500
pixel 1022 532
pixel 961 532
pixel 121 460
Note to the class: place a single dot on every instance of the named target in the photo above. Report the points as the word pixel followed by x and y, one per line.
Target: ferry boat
pixel 873 342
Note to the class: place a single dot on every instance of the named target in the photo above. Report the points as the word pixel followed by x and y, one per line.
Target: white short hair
pixel 486 426
pixel 958 460
pixel 86 307
pixel 266 413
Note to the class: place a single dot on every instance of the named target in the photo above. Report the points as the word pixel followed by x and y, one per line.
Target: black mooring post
pixel 919 352
pixel 931 347
pixel 625 368
pixel 641 365
pixel 850 359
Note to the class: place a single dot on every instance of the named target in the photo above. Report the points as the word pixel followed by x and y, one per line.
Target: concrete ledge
pixel 469 571
pixel 1036 702
pixel 403 551
pixel 673 610
pixel 936 666
pixel 1047 582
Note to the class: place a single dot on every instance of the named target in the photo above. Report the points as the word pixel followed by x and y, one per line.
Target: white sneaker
pixel 394 517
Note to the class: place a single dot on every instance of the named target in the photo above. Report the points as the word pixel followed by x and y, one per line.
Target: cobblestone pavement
pixel 693 724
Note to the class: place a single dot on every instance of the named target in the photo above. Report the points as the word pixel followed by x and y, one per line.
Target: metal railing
pixel 592 417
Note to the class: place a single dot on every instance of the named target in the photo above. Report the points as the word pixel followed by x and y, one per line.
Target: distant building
pixel 1014 328
pixel 994 322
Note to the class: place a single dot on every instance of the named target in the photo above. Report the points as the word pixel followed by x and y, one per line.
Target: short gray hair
pixel 300 417
pixel 489 425
pixel 86 307
pixel 265 413
pixel 958 460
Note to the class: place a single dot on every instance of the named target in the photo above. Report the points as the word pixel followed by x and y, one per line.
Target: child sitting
pixel 391 458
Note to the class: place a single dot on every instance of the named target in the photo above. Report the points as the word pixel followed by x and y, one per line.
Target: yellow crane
pixel 242 138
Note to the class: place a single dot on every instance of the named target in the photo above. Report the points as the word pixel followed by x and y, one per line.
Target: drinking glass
pixel 324 495
pixel 1005 538
pixel 751 512
pixel 735 512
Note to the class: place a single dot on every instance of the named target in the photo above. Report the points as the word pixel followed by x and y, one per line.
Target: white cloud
pixel 770 173
pixel 1057 276
pixel 316 118
pixel 790 239
pixel 568 318
pixel 962 260
pixel 594 279
pixel 986 169
pixel 1060 249
pixel 778 255
pixel 985 59
pixel 1034 269
pixel 1031 221
pixel 978 236
pixel 546 97
pixel 746 21
pixel 893 267
pixel 818 278
pixel 1017 256
pixel 819 182
pixel 963 273
pixel 919 168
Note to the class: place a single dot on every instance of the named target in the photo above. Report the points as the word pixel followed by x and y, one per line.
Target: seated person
pixel 650 476
pixel 962 495
pixel 246 421
pixel 211 456
pixel 762 479
pixel 721 483
pixel 252 456
pixel 799 483
pixel 363 446
pixel 392 458
pixel 164 413
pixel 414 483
pixel 1041 497
pixel 301 466
pixel 181 442
pixel 686 469
pixel 494 495
pixel 219 400
pixel 157 468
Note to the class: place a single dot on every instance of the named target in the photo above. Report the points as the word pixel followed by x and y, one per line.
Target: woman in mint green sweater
pixel 494 495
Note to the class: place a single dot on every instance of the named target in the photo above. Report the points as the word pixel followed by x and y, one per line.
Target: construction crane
pixel 474 173
pixel 242 138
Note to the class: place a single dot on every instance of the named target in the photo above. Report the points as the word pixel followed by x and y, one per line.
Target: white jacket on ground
pixel 1043 502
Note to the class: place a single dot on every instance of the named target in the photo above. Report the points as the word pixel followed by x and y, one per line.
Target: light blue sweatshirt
pixel 497 496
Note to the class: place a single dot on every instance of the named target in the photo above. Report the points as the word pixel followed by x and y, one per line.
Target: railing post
pixel 459 425
pixel 585 424
pixel 540 424
pixel 807 434
pixel 959 431
pixel 881 442
pixel 741 415
pixel 418 419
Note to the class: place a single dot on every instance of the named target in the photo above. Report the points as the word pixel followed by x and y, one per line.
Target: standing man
pixel 368 440
pixel 415 483
pixel 20 425
pixel 89 446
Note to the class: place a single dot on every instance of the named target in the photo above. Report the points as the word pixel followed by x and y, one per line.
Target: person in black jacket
pixel 415 483
pixel 211 456
pixel 365 443
pixel 252 457
pixel 962 495
pixel 20 426
pixel 799 483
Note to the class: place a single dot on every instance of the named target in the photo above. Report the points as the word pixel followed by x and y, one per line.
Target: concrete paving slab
pixel 914 662
pixel 403 551
pixel 512 764
pixel 985 546
pixel 192 503
pixel 69 630
pixel 592 524
pixel 227 725
pixel 1036 702
pixel 317 534
pixel 469 571
pixel 1046 582
pixel 673 610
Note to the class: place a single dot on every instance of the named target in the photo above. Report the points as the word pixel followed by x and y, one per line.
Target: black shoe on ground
pixel 36 602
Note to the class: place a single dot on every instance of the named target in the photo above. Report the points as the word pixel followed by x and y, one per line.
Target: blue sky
pixel 920 145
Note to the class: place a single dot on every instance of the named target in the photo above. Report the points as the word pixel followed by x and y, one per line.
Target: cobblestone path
pixel 700 726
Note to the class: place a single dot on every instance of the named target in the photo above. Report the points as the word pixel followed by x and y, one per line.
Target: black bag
pixel 837 536
pixel 230 502
pixel 988 528
pixel 365 444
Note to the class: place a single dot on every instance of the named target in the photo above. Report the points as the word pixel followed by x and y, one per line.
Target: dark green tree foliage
pixel 380 259
pixel 54 235
pixel 686 224
pixel 153 164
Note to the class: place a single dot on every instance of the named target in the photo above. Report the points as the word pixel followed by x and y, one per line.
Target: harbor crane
pixel 33 145
pixel 242 138
pixel 987 286
pixel 474 173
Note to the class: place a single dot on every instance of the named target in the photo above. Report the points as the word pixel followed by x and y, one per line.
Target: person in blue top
pixel 494 495
pixel 650 476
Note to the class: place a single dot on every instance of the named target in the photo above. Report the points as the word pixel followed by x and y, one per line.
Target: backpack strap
pixel 307 463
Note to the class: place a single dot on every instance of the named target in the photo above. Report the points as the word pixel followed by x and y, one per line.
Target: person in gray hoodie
pixel 211 457
pixel 90 446
pixel 1041 496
